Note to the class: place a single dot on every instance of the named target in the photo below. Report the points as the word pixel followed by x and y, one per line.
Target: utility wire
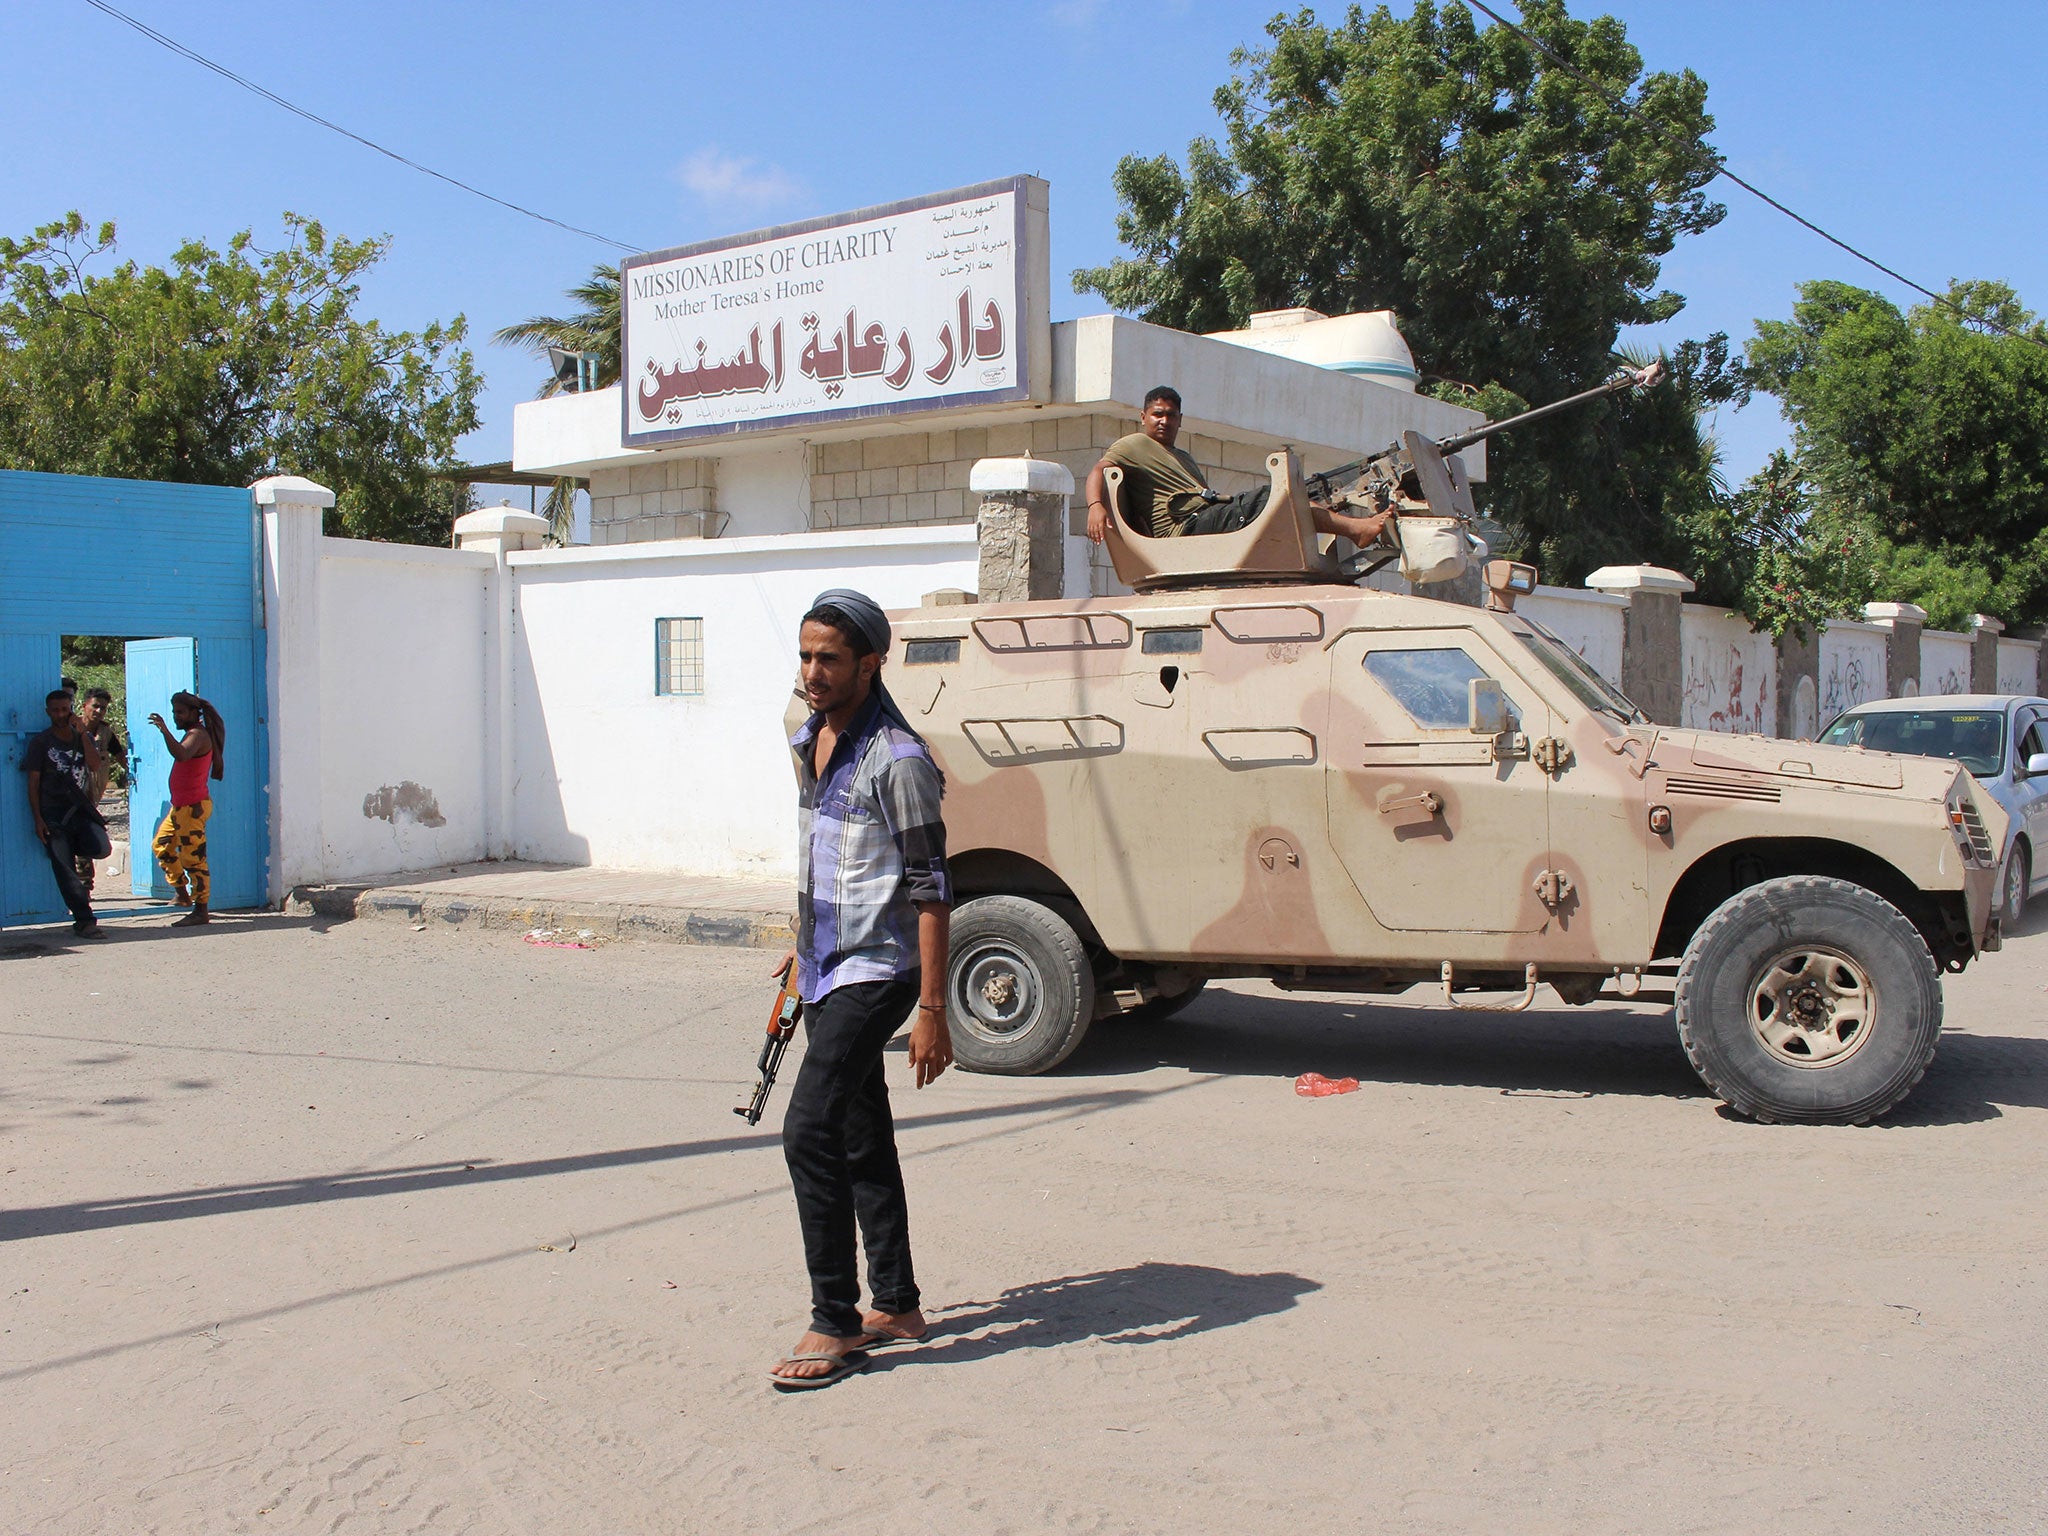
pixel 1627 109
pixel 313 117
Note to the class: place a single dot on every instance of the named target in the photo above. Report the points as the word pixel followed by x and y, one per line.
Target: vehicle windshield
pixel 1569 668
pixel 1973 737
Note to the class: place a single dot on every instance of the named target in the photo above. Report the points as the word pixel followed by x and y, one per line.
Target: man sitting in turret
pixel 1164 485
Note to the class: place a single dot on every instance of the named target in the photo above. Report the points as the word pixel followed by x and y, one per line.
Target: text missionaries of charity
pixel 749 266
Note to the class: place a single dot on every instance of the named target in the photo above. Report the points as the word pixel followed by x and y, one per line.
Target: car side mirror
pixel 1486 707
pixel 2038 763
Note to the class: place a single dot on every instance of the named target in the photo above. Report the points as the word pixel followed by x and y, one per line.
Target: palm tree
pixel 593 328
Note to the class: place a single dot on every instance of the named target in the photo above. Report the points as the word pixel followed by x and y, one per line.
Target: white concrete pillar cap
pixel 294 489
pixel 490 520
pixel 1028 477
pixel 1986 622
pixel 1638 578
pixel 1886 613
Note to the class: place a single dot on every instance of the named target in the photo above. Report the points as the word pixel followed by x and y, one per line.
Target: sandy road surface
pixel 354 1229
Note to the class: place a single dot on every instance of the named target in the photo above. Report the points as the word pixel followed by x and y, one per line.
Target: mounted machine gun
pixel 1435 526
pixel 1435 533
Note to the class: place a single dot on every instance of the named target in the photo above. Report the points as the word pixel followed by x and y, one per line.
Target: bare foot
pixel 196 918
pixel 1359 530
pixel 893 1327
pixel 814 1344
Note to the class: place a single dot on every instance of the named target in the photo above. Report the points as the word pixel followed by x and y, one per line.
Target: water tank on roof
pixel 1367 345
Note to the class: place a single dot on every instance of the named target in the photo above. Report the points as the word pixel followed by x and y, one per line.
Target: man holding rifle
pixel 872 910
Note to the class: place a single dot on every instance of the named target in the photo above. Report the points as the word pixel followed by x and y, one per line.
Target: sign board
pixel 924 305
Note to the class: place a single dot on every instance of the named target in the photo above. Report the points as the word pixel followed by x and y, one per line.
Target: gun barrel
pixel 1628 378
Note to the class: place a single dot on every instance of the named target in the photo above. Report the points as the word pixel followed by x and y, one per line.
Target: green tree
pixel 1510 214
pixel 594 327
pixel 1778 554
pixel 1925 434
pixel 227 366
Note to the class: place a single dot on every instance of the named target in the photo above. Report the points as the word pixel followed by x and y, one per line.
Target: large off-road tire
pixel 2019 874
pixel 1809 999
pixel 1020 991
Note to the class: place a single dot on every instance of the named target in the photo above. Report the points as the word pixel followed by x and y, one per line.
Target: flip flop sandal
pixel 887 1340
pixel 849 1364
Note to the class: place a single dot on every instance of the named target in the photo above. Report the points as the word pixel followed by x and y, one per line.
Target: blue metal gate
pixel 87 556
pixel 156 670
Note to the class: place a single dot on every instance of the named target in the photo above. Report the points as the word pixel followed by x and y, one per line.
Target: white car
pixel 2002 738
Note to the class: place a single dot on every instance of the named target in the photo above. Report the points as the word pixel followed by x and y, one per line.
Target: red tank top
pixel 188 779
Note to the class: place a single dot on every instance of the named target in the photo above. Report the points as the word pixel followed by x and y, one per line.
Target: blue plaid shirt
pixel 870 846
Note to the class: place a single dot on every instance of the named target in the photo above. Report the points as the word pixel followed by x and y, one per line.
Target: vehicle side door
pixel 2030 735
pixel 1441 830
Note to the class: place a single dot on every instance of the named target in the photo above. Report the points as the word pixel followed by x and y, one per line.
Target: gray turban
pixel 865 615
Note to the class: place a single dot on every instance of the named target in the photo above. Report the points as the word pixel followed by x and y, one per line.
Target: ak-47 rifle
pixel 781 1025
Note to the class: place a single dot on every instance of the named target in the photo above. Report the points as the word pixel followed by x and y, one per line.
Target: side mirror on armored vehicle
pixel 1507 580
pixel 1486 708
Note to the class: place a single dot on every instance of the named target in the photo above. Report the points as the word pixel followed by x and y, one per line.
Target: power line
pixel 1627 109
pixel 313 117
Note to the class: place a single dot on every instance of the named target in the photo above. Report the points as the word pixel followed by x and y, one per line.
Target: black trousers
pixel 1228 515
pixel 840 1142
pixel 73 838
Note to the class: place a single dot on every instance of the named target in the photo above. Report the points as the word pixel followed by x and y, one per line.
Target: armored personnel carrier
pixel 1257 767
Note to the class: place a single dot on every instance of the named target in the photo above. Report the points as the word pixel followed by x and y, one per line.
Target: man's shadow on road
pixel 1143 1304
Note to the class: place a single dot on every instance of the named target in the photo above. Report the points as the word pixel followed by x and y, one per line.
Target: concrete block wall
pixel 895 480
pixel 1944 662
pixel 921 477
pixel 2022 666
pixel 659 500
pixel 1853 667
pixel 1730 680
pixel 1704 668
pixel 903 480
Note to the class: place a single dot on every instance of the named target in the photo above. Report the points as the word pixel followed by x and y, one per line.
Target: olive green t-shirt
pixel 1164 481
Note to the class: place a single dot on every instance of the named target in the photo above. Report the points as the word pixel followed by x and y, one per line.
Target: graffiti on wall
pixel 1726 691
pixel 2019 667
pixel 1847 682
pixel 1944 664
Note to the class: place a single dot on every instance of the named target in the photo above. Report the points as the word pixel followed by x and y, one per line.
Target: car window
pixel 1570 668
pixel 1430 685
pixel 1973 737
pixel 2036 739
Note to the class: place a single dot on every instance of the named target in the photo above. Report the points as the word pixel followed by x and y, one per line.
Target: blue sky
pixel 1908 128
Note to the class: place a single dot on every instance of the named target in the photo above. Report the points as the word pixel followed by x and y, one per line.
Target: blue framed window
pixel 678 656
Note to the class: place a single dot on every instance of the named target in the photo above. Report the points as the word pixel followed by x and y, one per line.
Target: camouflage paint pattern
pixel 1212 773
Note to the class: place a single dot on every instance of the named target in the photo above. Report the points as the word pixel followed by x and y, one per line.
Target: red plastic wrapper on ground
pixel 1313 1085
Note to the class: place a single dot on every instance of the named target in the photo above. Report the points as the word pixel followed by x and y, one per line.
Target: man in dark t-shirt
pixel 93 706
pixel 1167 496
pixel 61 764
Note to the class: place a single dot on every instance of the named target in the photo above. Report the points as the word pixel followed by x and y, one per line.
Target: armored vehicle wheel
pixel 1156 1010
pixel 1021 991
pixel 1809 999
